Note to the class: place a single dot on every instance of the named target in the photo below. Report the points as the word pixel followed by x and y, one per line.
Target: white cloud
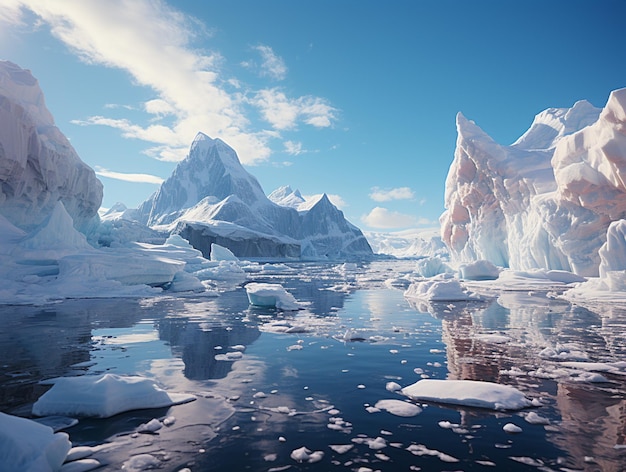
pixel 152 41
pixel 283 112
pixel 292 147
pixel 272 66
pixel 400 193
pixel 138 178
pixel 383 218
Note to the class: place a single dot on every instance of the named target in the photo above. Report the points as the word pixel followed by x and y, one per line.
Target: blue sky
pixel 353 98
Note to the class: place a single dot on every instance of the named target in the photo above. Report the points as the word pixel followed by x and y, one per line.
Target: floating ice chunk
pixel 373 443
pixel 398 407
pixel 225 271
pixel 303 454
pixel 151 426
pixel 78 452
pixel 439 290
pixel 512 428
pixel 393 387
pixel 221 253
pixel 431 266
pixel 341 448
pixel 421 450
pixel 479 270
pixel 141 462
pixel 26 445
pixel 81 465
pixel 104 396
pixel 468 393
pixel 271 295
pixel 534 418
pixel 185 282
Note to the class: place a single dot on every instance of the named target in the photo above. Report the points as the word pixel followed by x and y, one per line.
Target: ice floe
pixel 104 396
pixel 470 393
pixel 28 446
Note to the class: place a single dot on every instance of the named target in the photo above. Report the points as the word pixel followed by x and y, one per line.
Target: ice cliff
pixel 211 199
pixel 547 200
pixel 38 165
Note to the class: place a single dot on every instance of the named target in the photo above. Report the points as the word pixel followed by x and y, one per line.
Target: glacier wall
pixel 547 200
pixel 38 165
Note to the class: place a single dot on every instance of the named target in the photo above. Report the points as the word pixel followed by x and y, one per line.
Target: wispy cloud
pixel 284 113
pixel 154 43
pixel 137 178
pixel 383 218
pixel 272 65
pixel 293 147
pixel 400 193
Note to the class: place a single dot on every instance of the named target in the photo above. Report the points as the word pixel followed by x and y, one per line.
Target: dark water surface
pixel 310 387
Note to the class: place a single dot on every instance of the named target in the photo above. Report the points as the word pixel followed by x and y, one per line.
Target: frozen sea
pixel 269 383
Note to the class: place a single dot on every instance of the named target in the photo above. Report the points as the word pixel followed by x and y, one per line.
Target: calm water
pixel 288 388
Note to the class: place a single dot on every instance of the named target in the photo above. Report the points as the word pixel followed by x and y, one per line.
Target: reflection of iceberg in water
pixel 37 343
pixel 501 342
pixel 213 329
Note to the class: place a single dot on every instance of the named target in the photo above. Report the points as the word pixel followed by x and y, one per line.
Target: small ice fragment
pixel 78 452
pixel 512 428
pixel 341 448
pixel 303 454
pixel 393 351
pixel 534 418
pixel 398 408
pixel 282 439
pixel 270 457
pixel 378 443
pixel 81 465
pixel 141 462
pixel 151 426
pixel 360 386
pixel 169 421
pixel 393 387
pixel 259 395
pixel 271 295
pixel 295 347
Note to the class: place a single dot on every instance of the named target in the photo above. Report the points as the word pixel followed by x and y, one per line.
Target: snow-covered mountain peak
pixel 552 124
pixel 285 196
pixel 211 169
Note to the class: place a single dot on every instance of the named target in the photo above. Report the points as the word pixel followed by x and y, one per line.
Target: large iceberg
pixel 38 165
pixel 547 200
pixel 211 199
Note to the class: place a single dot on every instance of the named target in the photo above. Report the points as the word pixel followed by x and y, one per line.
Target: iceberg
pixel 441 288
pixel 28 446
pixel 271 295
pixel 38 165
pixel 472 393
pixel 211 199
pixel 104 396
pixel 546 201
